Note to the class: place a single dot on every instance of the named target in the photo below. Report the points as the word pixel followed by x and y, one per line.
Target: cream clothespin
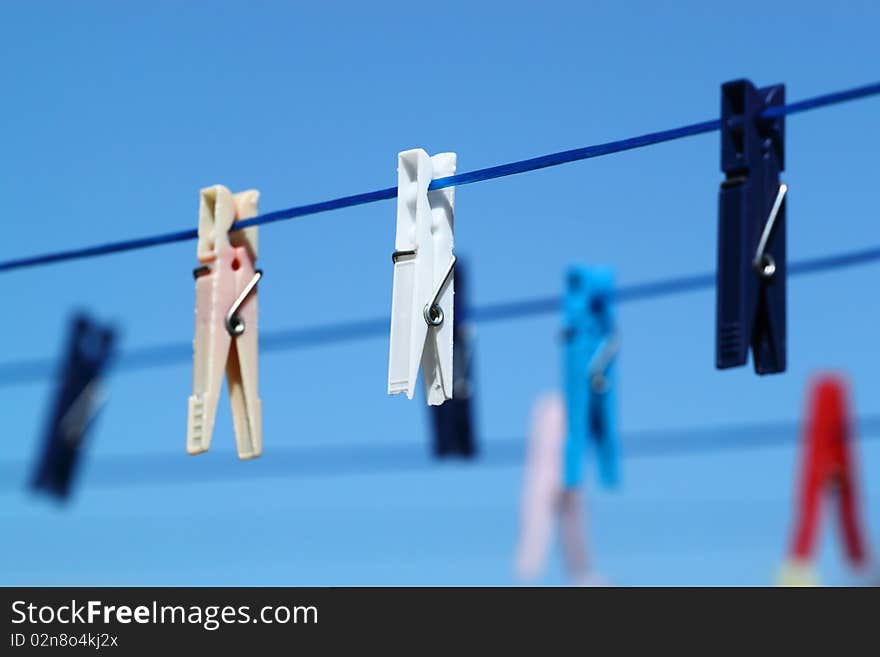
pixel 421 305
pixel 226 322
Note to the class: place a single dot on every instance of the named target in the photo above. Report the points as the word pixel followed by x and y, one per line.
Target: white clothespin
pixel 226 322
pixel 421 305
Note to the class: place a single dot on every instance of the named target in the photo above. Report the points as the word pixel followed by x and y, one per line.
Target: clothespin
pixel 750 304
pixel 590 353
pixel 453 422
pixel 226 322
pixel 77 401
pixel 546 502
pixel 421 306
pixel 828 466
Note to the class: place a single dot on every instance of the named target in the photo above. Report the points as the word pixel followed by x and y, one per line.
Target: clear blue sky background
pixel 114 116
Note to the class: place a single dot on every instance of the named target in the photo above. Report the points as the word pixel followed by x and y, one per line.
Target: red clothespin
pixel 828 466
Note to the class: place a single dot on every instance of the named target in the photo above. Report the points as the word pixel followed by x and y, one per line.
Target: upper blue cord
pixel 489 173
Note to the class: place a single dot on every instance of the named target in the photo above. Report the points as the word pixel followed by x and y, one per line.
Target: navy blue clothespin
pixel 751 230
pixel 453 421
pixel 590 353
pixel 89 350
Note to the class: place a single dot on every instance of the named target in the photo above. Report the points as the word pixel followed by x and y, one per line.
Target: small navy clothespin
pixel 77 400
pixel 590 353
pixel 453 422
pixel 751 279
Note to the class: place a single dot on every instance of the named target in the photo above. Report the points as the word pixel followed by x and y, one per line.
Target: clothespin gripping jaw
pixel 226 334
pixel 422 316
pixel 751 281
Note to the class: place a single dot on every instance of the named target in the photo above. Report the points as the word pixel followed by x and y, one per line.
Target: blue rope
pixel 575 155
pixel 822 101
pixel 489 173
pixel 29 371
pixel 336 460
pixel 315 208
pixel 99 250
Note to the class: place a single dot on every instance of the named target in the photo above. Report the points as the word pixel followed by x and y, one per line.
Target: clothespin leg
pixel 577 392
pixel 850 525
pixel 604 429
pixel 437 363
pixel 412 271
pixel 210 349
pixel 573 534
pixel 241 372
pixel 541 486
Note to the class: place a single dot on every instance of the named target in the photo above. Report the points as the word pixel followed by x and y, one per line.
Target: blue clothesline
pixel 29 371
pixel 344 459
pixel 489 173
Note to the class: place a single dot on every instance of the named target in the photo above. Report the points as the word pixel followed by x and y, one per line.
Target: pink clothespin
pixel 545 500
pixel 226 322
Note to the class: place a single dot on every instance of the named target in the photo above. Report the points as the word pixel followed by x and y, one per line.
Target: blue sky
pixel 117 114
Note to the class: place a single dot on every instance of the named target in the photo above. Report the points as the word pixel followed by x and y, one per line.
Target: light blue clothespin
pixel 590 351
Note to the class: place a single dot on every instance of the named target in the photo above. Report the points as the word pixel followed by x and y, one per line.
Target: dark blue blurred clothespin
pixel 751 230
pixel 89 349
pixel 453 421
pixel 590 352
